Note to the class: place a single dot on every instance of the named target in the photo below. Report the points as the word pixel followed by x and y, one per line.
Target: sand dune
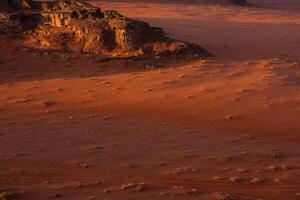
pixel 226 127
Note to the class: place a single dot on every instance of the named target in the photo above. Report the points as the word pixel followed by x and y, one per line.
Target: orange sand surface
pixel 72 128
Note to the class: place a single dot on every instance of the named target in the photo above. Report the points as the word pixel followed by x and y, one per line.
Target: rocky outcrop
pixel 76 26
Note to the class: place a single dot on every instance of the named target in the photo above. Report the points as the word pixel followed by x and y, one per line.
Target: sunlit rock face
pixel 76 26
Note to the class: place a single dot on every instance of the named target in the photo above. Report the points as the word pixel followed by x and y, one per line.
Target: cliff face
pixel 76 26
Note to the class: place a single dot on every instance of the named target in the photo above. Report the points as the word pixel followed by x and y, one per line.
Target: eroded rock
pixel 76 26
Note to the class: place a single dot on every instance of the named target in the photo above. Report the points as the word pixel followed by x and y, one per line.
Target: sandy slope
pixel 75 129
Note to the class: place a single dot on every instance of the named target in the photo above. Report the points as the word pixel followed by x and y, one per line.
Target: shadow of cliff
pixel 238 41
pixel 22 64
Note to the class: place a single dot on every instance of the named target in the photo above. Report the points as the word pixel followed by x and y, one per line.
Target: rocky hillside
pixel 76 26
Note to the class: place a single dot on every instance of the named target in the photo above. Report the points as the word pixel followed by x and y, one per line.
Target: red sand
pixel 75 129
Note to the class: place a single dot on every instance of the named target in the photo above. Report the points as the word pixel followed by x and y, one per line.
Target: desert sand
pixel 225 127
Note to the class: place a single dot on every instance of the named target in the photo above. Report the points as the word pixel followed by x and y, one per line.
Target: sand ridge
pixel 223 128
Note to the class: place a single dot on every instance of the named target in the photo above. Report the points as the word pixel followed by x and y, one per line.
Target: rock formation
pixel 76 26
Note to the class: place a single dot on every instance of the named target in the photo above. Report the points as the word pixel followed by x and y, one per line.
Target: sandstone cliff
pixel 76 26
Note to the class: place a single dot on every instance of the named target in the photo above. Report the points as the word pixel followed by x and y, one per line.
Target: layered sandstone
pixel 76 26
